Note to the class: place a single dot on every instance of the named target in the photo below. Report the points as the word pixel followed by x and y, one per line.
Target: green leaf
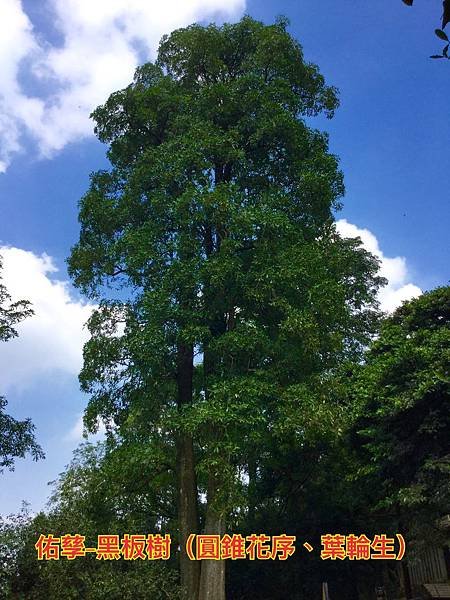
pixel 441 35
pixel 446 13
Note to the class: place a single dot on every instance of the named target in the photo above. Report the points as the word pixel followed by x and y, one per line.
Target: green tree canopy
pixel 403 431
pixel 97 493
pixel 226 296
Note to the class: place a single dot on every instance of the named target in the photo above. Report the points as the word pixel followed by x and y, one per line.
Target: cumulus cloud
pixel 16 44
pixel 102 43
pixel 394 269
pixel 50 341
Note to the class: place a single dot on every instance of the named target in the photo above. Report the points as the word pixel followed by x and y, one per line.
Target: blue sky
pixel 60 58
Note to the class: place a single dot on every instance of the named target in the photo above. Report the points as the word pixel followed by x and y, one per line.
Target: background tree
pixel 215 226
pixel 380 462
pixel 92 496
pixel 402 432
pixel 16 437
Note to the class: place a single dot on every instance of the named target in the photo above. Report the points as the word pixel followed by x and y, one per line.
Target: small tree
pixel 16 437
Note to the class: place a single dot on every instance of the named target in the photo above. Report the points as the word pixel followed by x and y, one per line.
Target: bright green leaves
pixel 200 57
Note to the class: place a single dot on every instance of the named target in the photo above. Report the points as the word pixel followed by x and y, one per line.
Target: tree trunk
pixel 187 481
pixel 251 491
pixel 212 578
pixel 212 575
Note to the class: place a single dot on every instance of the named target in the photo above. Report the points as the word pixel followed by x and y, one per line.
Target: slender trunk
pixel 251 491
pixel 212 578
pixel 187 515
pixel 212 575
pixel 187 482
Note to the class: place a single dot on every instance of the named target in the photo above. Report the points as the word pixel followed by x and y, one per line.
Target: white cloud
pixel 52 339
pixel 103 41
pixel 394 269
pixel 75 434
pixel 16 43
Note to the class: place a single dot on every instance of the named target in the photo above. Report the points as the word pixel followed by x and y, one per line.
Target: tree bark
pixel 212 578
pixel 212 575
pixel 187 481
pixel 251 491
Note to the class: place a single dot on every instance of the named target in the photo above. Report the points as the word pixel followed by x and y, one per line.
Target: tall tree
pixel 16 437
pixel 236 297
